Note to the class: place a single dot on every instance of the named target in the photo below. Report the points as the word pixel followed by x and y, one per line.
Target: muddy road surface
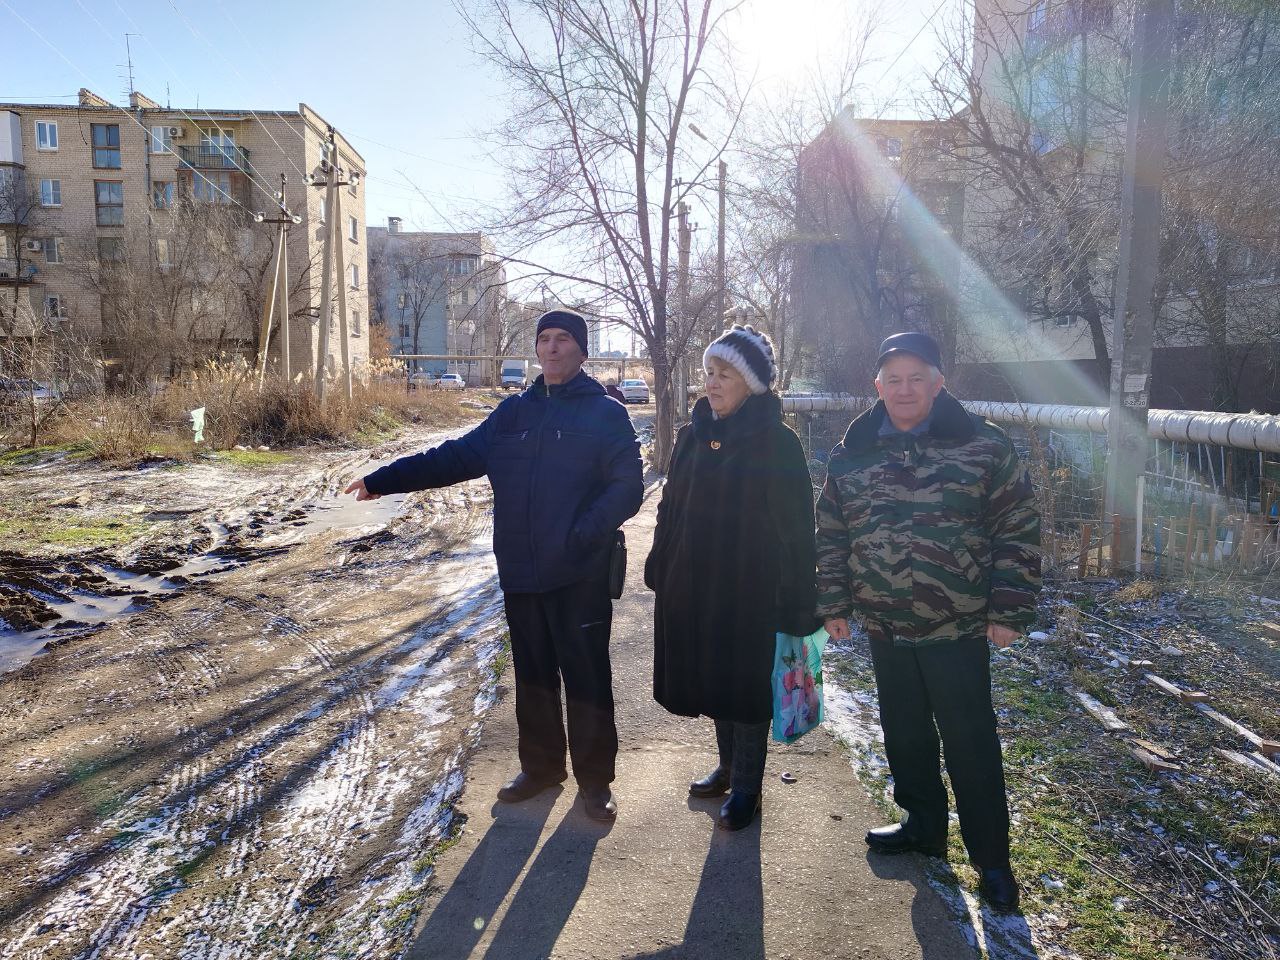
pixel 252 747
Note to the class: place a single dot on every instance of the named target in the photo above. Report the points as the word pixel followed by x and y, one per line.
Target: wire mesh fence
pixel 1207 511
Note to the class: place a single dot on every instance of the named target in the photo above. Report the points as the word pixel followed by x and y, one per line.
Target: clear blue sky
pixel 407 77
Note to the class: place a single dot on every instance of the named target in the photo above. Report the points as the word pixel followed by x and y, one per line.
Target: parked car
pixel 423 379
pixel 19 389
pixel 634 391
pixel 451 381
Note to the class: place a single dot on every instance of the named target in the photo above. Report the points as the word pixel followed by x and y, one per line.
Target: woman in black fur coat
pixel 732 564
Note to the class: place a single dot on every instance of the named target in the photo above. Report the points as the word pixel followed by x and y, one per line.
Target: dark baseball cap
pixel 917 344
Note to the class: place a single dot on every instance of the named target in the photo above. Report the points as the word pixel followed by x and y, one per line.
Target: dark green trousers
pixel 944 689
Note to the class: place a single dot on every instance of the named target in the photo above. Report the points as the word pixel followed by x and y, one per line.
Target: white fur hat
pixel 747 351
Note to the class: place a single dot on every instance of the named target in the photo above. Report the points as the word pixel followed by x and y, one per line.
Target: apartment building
pixel 98 184
pixel 441 294
pixel 878 201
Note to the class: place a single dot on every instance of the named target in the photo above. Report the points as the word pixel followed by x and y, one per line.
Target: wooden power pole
pixel 279 291
pixel 1134 310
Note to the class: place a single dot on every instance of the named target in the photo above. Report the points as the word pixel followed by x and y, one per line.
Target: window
pixel 106 145
pixel 355 277
pixel 53 307
pixel 355 323
pixel 353 228
pixel 46 135
pixel 53 249
pixel 110 249
pixel 162 194
pixel 462 266
pixel 108 196
pixel 893 148
pixel 50 193
pixel 212 186
pixel 404 331
pixel 159 140
pixel 162 253
pixel 351 182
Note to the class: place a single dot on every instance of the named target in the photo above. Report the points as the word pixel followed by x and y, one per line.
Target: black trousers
pixel 944 689
pixel 743 748
pixel 564 635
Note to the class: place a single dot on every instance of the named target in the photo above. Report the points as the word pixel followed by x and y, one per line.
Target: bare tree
pixel 22 218
pixel 1039 111
pixel 173 292
pixel 594 147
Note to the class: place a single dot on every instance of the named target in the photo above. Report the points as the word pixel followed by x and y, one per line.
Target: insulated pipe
pixel 1243 431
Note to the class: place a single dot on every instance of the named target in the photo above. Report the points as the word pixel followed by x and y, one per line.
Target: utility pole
pixel 1134 309
pixel 279 288
pixel 683 237
pixel 331 178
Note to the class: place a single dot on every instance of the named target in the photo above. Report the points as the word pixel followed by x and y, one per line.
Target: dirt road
pixel 259 762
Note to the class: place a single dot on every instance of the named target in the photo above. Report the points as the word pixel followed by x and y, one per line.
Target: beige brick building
pixel 104 182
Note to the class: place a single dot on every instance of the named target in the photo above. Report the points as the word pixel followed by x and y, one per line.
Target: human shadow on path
pixel 459 919
pixel 726 921
pixel 550 890
pixel 1004 936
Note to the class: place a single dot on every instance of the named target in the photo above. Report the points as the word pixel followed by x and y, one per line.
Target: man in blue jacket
pixel 564 464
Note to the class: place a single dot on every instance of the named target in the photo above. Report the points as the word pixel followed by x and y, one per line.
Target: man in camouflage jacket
pixel 928 530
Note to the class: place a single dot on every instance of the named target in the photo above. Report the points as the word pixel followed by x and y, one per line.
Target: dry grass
pixel 129 429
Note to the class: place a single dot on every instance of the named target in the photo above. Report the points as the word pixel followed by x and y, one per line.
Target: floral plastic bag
pixel 797 684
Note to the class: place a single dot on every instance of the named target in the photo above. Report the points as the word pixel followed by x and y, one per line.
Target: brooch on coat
pixel 715 444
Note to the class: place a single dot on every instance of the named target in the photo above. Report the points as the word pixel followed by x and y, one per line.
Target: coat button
pixel 715 444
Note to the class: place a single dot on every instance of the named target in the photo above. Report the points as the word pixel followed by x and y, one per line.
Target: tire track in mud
pixel 224 857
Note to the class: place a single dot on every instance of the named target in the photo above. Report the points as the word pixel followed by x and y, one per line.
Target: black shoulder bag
pixel 617 565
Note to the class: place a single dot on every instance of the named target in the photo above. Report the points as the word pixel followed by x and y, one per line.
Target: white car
pixel 634 391
pixel 451 381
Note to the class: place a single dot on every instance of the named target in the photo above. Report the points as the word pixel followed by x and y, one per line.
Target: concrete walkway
pixel 539 879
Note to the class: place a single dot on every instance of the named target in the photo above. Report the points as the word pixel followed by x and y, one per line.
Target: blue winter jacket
pixel 565 471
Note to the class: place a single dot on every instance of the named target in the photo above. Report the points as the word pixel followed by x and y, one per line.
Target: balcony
pixel 211 157
pixel 10 275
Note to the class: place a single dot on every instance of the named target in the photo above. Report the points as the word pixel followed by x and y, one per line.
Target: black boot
pixel 712 785
pixel 739 810
pixel 598 803
pixel 523 787
pixel 897 839
pixel 999 888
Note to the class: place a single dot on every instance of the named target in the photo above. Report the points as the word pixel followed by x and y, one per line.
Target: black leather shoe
pixel 713 784
pixel 896 839
pixel 999 888
pixel 738 811
pixel 524 786
pixel 598 803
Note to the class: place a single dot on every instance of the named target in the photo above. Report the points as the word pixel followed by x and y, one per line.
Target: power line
pixel 52 46
pixel 923 28
pixel 261 183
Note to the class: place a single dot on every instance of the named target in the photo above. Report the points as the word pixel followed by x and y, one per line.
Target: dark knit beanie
pixel 747 351
pixel 572 323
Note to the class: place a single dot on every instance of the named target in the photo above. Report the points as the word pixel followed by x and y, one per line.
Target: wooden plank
pixel 1271 629
pixel 1152 762
pixel 1164 753
pixel 1170 688
pixel 1086 535
pixel 1191 540
pixel 1230 724
pixel 1100 712
pixel 1193 696
pixel 1270 749
pixel 1247 760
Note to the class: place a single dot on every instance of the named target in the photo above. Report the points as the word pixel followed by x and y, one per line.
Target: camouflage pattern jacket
pixel 928 537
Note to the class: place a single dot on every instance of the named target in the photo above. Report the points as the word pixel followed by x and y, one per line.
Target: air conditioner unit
pixel 176 133
pixel 35 246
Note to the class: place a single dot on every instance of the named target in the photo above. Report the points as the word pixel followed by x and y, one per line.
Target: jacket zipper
pixel 533 489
